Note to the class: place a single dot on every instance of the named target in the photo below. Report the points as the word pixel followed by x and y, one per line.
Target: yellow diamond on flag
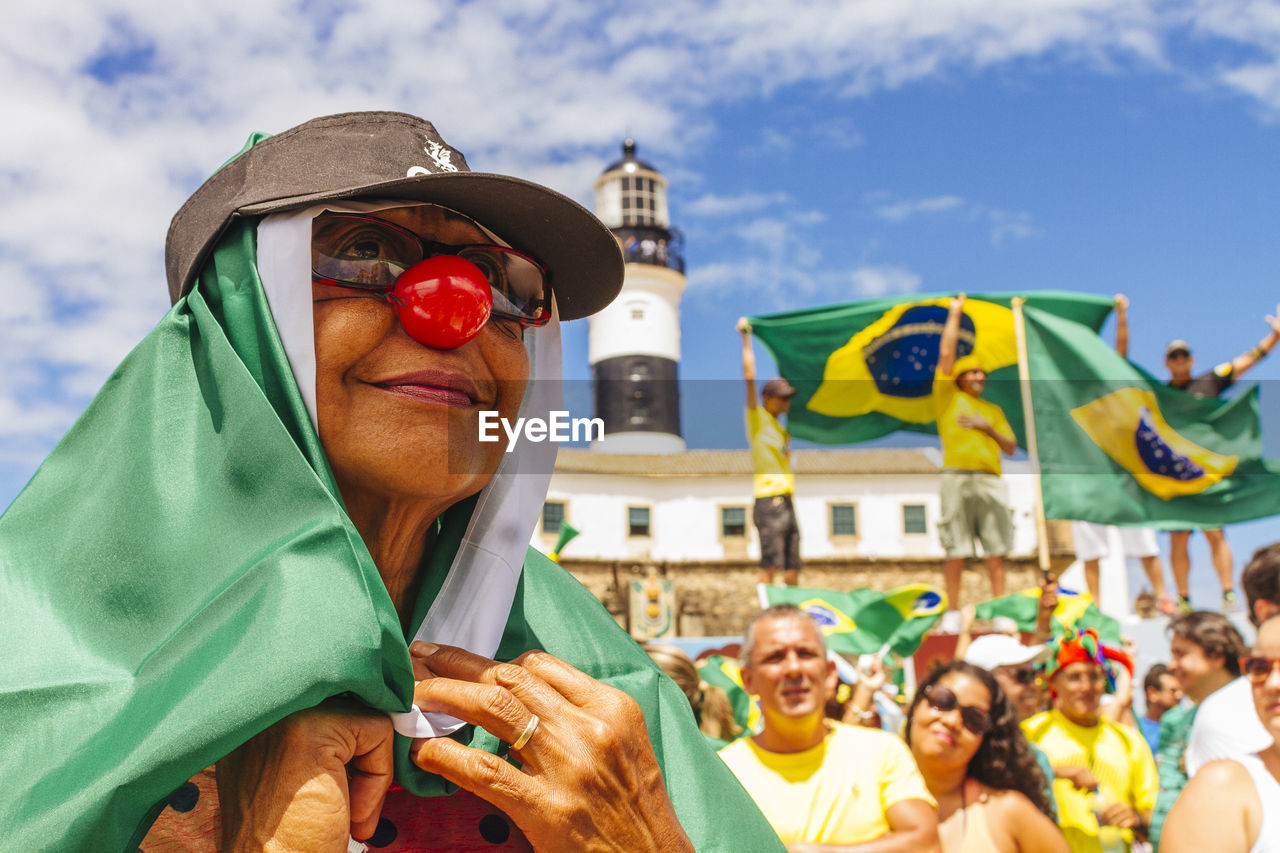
pixel 1128 426
pixel 888 366
pixel 831 619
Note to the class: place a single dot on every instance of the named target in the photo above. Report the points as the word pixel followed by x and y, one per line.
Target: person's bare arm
pixel 1222 789
pixel 1029 827
pixel 1008 444
pixel 748 361
pixel 309 782
pixel 1122 325
pixel 861 709
pixel 950 337
pixel 967 614
pixel 1044 609
pixel 1079 776
pixel 1125 816
pixel 1119 710
pixel 913 828
pixel 1246 360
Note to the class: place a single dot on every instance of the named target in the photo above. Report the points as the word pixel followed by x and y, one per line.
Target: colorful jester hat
pixel 1083 646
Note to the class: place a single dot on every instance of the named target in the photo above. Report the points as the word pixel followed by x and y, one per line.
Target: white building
pixel 696 505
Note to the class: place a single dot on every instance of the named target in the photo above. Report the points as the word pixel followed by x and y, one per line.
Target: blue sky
pixel 817 152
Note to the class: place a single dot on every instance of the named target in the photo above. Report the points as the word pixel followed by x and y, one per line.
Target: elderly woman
pixel 283 487
pixel 1233 805
pixel 963 732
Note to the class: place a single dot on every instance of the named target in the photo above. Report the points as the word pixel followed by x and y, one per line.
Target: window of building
pixel 844 520
pixel 733 521
pixel 639 201
pixel 552 517
pixel 913 519
pixel 638 521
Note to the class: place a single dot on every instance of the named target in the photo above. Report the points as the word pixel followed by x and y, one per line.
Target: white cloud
pixel 92 167
pixel 900 211
pixel 714 204
pixel 871 281
pixel 1010 225
pixel 1003 225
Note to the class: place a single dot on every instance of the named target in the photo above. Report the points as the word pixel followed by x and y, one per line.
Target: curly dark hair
pixel 1004 760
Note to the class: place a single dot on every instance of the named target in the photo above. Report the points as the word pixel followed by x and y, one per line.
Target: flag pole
pixel 1029 418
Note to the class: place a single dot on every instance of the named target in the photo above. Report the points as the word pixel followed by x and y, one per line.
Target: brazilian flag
pixel 863 621
pixel 1074 610
pixel 726 673
pixel 1118 446
pixel 865 369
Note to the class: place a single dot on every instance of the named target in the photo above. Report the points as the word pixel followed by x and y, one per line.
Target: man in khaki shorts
pixel 773 483
pixel 974 432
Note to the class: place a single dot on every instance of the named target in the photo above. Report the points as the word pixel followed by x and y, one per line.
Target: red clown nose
pixel 442 302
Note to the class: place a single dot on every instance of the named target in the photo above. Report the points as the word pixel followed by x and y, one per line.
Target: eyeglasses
pixel 1258 669
pixel 942 699
pixel 1023 675
pixel 366 253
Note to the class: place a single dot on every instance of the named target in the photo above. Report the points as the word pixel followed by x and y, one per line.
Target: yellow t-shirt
pixel 1119 759
pixel 835 793
pixel 770 454
pixel 964 448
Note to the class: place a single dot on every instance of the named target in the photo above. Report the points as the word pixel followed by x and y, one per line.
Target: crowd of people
pixel 1020 745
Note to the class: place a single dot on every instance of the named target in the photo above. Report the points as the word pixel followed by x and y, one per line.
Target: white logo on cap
pixel 439 155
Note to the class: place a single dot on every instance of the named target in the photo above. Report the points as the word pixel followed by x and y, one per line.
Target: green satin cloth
pixel 180 574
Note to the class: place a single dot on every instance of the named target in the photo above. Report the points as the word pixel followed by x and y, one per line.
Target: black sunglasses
pixel 942 699
pixel 1025 675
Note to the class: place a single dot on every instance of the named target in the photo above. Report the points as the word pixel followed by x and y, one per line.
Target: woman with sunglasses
pixel 1242 794
pixel 278 534
pixel 964 735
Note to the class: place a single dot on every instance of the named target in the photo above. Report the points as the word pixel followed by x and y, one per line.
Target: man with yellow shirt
pixel 974 432
pixel 773 483
pixel 1105 778
pixel 823 785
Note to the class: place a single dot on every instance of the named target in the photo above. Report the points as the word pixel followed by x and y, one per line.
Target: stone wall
pixel 716 599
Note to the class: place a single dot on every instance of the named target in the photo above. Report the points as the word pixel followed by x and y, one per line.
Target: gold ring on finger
pixel 529 729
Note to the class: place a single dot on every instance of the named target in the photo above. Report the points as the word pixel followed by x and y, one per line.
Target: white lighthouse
pixel 634 344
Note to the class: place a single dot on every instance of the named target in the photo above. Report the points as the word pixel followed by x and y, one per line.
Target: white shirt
pixel 1226 726
pixel 1269 794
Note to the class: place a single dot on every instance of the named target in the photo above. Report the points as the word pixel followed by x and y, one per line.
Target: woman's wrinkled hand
pixel 309 782
pixel 588 780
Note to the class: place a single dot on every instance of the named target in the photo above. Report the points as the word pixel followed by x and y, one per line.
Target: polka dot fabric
pixel 463 822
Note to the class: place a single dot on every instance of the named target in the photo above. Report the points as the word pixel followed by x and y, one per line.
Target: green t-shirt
pixel 1175 731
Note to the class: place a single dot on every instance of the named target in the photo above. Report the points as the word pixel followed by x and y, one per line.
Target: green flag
pixel 1074 610
pixel 863 621
pixel 1117 446
pixel 865 369
pixel 180 573
pixel 725 673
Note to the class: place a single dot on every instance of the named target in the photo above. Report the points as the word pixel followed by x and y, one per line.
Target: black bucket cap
pixel 389 155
